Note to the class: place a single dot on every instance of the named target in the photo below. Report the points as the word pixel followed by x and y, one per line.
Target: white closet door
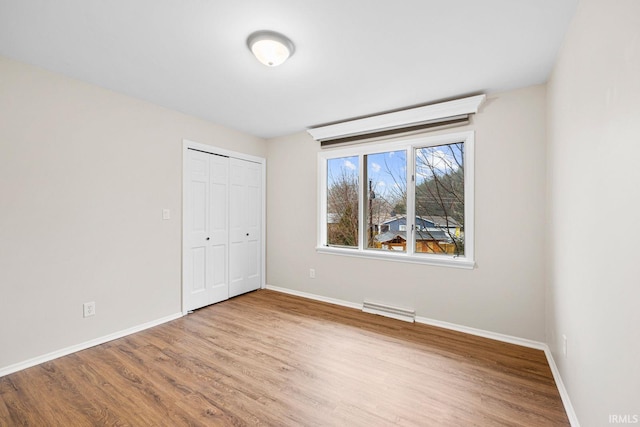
pixel 219 228
pixel 245 234
pixel 206 225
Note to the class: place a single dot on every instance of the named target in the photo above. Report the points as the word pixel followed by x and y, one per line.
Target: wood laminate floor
pixel 267 358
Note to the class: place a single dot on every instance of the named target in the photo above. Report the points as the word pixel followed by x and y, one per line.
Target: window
pixel 439 199
pixel 342 201
pixel 407 200
pixel 386 195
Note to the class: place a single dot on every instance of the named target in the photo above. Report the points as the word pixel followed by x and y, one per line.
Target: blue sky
pixel 442 159
pixel 388 169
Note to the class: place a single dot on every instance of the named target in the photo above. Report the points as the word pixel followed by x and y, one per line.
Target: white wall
pixel 594 204
pixel 505 293
pixel 85 173
pixel 84 176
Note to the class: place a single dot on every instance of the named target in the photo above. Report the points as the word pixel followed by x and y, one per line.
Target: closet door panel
pixel 237 219
pixel 197 270
pixel 253 173
pixel 245 197
pixel 219 228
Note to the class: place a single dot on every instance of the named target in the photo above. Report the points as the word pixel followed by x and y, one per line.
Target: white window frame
pixel 409 145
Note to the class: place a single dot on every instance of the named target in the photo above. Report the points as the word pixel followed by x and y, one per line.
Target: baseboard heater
pixel 399 313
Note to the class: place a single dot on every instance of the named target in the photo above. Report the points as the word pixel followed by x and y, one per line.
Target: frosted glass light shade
pixel 270 48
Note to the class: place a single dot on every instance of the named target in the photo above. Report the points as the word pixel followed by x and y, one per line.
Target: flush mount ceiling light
pixel 271 48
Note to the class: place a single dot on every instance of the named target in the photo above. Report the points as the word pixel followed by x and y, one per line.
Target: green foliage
pixel 400 208
pixel 346 233
pixel 442 196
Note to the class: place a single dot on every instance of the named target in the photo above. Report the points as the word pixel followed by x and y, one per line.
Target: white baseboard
pixel 482 333
pixel 315 297
pixel 83 346
pixel 568 407
pixel 564 395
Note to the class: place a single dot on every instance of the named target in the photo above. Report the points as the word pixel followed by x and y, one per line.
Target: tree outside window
pixel 342 201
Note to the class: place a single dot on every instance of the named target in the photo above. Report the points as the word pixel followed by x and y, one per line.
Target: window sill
pixel 438 260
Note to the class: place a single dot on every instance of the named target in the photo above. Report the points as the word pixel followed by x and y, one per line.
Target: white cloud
pixel 349 165
pixel 381 184
pixel 376 167
pixel 437 161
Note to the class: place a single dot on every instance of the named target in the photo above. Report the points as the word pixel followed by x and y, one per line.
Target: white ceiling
pixel 353 57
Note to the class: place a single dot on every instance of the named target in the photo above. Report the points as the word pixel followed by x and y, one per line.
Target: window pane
pixel 386 201
pixel 440 199
pixel 342 201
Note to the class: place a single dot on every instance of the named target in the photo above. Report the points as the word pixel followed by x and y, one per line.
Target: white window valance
pixel 444 113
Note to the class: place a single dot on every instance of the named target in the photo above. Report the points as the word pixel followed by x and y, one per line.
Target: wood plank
pixel 267 358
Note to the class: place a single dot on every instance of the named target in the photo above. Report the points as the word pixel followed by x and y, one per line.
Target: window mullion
pixel 469 201
pixel 322 206
pixel 411 206
pixel 361 203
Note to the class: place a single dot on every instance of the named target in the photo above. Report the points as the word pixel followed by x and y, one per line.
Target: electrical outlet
pixel 89 308
pixel 312 273
pixel 166 214
pixel 564 345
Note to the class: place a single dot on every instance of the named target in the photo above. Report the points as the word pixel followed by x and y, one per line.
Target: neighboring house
pixel 433 235
pixel 429 240
pixel 447 225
